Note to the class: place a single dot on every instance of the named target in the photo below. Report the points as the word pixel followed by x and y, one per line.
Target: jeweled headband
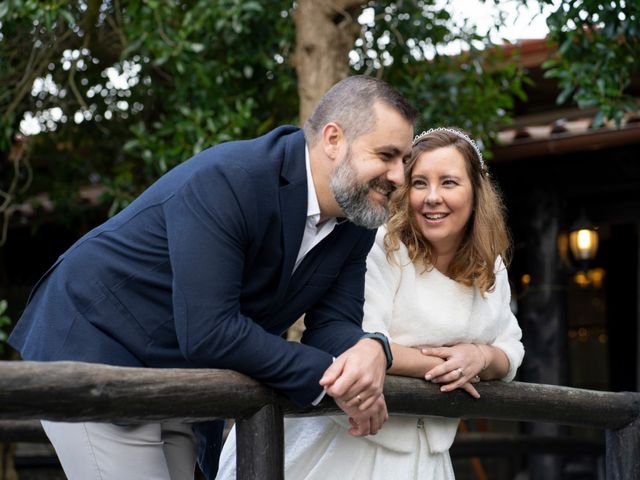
pixel 457 133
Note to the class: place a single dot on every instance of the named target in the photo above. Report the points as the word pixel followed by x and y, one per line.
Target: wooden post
pixel 623 452
pixel 622 303
pixel 260 445
pixel 542 316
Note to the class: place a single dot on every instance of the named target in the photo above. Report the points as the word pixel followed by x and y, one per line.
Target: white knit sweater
pixel 416 307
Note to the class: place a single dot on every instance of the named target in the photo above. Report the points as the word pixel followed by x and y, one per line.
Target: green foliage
pixel 5 321
pixel 191 74
pixel 123 91
pixel 474 90
pixel 598 54
pixel 215 63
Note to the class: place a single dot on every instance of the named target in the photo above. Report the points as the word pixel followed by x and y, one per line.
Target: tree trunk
pixel 325 33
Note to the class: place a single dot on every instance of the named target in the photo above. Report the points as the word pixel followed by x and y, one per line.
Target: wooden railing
pixel 72 391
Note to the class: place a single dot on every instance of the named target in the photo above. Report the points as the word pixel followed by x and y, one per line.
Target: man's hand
pixel 357 376
pixel 366 422
pixel 355 380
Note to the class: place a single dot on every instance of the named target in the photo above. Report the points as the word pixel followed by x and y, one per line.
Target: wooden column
pixel 638 308
pixel 623 453
pixel 260 445
pixel 621 282
pixel 542 315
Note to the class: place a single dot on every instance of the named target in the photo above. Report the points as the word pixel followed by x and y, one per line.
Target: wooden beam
pixel 486 444
pixel 75 391
pixel 564 143
pixel 25 431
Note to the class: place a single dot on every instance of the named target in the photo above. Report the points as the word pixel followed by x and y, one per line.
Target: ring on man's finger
pixel 460 372
pixel 477 378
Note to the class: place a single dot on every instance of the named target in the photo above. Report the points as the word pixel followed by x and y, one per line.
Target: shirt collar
pixel 313 207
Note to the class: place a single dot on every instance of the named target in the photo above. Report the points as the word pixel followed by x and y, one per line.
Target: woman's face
pixel 441 197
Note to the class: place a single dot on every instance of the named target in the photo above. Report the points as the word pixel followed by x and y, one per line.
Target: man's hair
pixel 349 103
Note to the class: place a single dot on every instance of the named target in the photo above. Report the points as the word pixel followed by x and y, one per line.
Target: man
pixel 214 261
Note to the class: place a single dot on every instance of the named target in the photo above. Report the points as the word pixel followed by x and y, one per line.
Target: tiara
pixel 458 134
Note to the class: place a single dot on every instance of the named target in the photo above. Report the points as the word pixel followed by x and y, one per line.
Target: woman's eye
pixel 418 183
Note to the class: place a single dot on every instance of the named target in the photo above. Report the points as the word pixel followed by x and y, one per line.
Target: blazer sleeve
pixel 509 333
pixel 334 324
pixel 208 230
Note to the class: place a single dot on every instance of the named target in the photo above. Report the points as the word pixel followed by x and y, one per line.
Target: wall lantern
pixel 583 239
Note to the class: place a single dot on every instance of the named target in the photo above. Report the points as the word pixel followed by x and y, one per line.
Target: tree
pixel 598 54
pixel 122 91
pixel 325 33
pixel 129 91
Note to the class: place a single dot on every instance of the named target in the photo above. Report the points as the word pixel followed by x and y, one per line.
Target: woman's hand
pixel 460 369
pixel 470 389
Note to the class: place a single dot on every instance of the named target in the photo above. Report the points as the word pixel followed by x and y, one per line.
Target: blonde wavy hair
pixel 486 235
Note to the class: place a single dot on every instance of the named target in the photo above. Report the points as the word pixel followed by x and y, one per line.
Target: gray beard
pixel 353 197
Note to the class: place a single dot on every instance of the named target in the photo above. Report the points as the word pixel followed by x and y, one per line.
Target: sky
pixel 524 22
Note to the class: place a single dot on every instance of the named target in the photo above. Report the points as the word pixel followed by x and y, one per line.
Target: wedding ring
pixel 359 398
pixel 477 378
pixel 460 372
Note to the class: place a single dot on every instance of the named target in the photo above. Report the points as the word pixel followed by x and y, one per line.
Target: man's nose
pixel 395 174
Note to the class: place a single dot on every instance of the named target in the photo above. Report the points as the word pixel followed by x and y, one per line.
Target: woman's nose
pixel 433 196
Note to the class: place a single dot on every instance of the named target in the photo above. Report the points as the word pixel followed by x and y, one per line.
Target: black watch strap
pixel 384 341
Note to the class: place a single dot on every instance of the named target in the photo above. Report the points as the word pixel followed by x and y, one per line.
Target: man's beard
pixel 353 196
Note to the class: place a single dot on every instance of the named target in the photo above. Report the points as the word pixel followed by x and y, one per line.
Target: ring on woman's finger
pixel 460 372
pixel 359 398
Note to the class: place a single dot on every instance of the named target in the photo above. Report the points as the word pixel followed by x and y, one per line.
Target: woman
pixel 437 286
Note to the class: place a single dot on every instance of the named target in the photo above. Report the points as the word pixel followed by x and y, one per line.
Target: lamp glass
pixel 583 244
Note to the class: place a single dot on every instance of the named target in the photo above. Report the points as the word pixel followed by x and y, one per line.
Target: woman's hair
pixel 486 235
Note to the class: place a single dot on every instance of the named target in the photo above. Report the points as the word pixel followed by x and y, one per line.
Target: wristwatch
pixel 384 341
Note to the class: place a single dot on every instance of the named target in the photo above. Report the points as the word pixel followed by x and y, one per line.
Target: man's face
pixel 371 168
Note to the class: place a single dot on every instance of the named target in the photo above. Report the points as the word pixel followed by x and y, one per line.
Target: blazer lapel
pixel 293 205
pixel 313 260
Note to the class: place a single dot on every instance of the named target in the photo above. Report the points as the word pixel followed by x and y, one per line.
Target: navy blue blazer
pixel 197 272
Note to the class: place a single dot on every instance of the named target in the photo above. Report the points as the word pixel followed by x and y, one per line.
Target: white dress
pixel 412 307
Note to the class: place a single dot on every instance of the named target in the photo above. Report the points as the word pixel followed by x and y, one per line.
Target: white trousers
pixel 104 451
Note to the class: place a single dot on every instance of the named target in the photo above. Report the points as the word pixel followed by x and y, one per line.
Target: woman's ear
pixel 332 137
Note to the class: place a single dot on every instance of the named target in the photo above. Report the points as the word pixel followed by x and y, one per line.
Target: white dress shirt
pixel 313 233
